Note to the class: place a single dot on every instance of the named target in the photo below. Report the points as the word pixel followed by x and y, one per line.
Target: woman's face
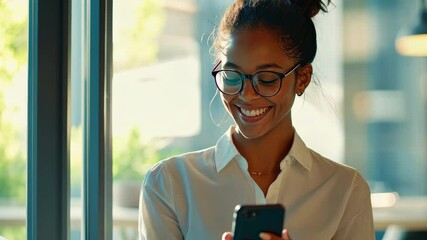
pixel 249 51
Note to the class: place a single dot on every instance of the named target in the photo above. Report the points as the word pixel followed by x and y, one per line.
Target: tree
pixel 136 33
pixel 13 57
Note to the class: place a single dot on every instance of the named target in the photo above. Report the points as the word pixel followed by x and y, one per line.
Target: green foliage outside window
pixel 132 157
pixel 137 33
pixel 13 57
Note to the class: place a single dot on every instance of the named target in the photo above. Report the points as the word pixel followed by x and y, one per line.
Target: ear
pixel 303 76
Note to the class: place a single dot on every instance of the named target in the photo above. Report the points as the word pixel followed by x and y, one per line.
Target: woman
pixel 264 50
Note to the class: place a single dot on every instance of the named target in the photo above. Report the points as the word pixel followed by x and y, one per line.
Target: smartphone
pixel 250 220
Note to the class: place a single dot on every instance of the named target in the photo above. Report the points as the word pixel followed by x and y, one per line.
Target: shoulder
pixel 177 175
pixel 181 164
pixel 344 185
pixel 324 163
pixel 345 175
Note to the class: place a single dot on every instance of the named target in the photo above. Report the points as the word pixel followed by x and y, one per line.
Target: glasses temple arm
pixel 216 66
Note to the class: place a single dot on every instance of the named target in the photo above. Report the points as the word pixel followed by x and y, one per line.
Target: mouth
pixel 253 114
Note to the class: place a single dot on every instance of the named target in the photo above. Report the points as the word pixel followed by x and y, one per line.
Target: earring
pixel 300 93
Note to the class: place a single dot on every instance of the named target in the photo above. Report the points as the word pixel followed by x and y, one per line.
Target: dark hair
pixel 290 19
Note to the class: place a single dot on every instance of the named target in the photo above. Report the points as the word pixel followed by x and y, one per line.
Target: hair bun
pixel 311 7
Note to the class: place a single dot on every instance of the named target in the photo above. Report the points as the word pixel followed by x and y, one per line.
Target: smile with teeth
pixel 253 113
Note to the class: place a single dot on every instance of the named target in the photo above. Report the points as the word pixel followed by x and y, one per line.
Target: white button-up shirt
pixel 192 196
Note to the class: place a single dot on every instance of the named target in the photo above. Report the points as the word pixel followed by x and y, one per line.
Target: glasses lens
pixel 228 82
pixel 267 83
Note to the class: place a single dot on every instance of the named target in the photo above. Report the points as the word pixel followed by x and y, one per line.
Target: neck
pixel 265 153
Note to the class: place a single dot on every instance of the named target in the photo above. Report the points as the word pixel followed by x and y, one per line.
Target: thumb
pixel 285 235
pixel 227 236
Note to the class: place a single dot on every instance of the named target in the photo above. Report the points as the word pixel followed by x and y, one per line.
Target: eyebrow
pixel 263 66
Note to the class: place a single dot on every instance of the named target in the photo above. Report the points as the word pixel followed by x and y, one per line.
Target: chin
pixel 249 134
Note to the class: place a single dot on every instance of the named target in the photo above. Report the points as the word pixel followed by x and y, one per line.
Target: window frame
pixel 97 143
pixel 48 190
pixel 48 120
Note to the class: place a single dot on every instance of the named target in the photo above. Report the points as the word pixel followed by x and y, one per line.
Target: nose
pixel 248 92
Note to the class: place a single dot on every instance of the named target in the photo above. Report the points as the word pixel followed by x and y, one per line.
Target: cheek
pixel 226 101
pixel 290 85
pixel 284 100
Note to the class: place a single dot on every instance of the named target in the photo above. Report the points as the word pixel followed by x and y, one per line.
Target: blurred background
pixel 368 109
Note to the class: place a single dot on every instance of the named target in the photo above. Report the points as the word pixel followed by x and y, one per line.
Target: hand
pixel 269 236
pixel 263 236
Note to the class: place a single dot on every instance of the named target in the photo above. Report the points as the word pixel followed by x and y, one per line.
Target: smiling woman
pixel 265 50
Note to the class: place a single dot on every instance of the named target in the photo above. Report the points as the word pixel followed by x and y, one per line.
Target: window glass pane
pixel 385 98
pixel 385 110
pixel 156 95
pixel 76 138
pixel 13 117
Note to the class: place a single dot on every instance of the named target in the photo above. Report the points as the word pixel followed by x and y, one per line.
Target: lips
pixel 254 114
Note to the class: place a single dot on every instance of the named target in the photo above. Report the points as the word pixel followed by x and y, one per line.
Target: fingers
pixel 285 235
pixel 269 236
pixel 263 236
pixel 227 236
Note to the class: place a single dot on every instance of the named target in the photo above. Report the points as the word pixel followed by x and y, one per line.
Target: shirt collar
pixel 300 153
pixel 225 151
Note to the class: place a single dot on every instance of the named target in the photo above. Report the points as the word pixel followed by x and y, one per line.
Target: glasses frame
pixel 244 76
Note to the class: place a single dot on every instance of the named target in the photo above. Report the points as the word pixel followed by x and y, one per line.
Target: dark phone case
pixel 251 220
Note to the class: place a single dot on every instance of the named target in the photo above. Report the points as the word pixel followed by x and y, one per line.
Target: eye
pixel 230 77
pixel 267 78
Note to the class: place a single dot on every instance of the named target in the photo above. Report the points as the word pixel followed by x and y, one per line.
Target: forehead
pixel 249 48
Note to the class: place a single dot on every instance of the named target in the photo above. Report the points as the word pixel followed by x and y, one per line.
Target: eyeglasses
pixel 265 83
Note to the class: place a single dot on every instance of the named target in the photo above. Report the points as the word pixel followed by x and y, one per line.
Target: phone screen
pixel 251 220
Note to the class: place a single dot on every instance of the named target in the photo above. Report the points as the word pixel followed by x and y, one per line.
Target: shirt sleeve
pixel 357 221
pixel 157 218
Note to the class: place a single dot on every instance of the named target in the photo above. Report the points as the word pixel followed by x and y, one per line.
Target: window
pixel 156 95
pixel 13 115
